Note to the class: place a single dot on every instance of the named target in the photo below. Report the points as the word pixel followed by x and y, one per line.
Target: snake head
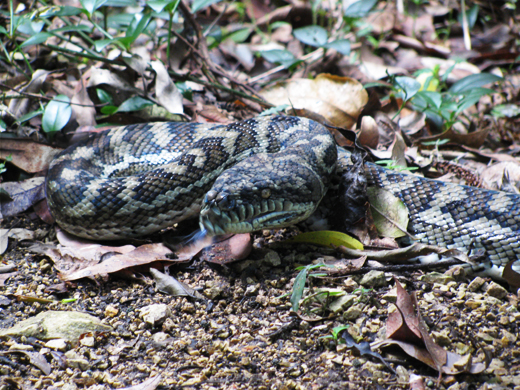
pixel 273 194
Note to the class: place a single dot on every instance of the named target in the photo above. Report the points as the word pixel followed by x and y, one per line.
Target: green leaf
pixel 36 39
pixel 240 36
pixel 77 28
pixel 472 98
pixel 103 96
pixel 66 10
pixel 108 110
pixel 3 30
pixel 274 110
pixel 298 287
pixel 135 103
pixel 102 43
pixel 197 5
pixel 327 238
pixel 91 5
pixel 158 5
pixel 342 46
pixel 431 98
pixel 359 9
pixel 311 35
pixel 408 85
pixel 473 81
pixel 57 114
pixel 471 16
pixel 30 115
pixel 506 110
pixel 282 57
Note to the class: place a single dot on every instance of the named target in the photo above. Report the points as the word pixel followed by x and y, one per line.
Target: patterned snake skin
pixel 261 173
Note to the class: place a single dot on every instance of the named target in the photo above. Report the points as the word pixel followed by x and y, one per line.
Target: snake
pixel 261 173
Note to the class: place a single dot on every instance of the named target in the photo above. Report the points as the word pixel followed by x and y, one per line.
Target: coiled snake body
pixel 261 173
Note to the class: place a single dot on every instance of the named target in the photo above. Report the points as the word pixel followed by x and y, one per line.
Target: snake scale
pixel 260 173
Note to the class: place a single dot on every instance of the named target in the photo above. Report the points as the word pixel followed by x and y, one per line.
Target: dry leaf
pixel 338 99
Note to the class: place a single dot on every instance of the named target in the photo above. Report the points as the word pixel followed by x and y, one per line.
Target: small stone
pixel 350 284
pixel 373 279
pixel 111 311
pixel 353 313
pixel 476 284
pixel 155 314
pixel 343 302
pixel 272 258
pixel 496 290
pixel 21 347
pixel 80 363
pixel 160 337
pixel 442 339
pixel 88 341
pixel 436 277
pixel 57 344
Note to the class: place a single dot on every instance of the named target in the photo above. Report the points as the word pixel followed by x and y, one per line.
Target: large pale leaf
pixel 338 99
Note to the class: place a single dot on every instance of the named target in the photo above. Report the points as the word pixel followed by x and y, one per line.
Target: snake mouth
pixel 246 218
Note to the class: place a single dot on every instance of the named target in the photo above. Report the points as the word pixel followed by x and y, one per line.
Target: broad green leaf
pixel 282 57
pixel 240 36
pixel 138 25
pixel 36 39
pixel 3 30
pixel 28 27
pixel 342 46
pixel 65 29
pixel 389 212
pixel 103 96
pixel 66 10
pixel 91 5
pixel 433 99
pixel 473 81
pixel 311 35
pixel 408 85
pixel 359 9
pixel 471 16
pixel 158 5
pixel 327 238
pixel 472 98
pixel 197 5
pixel 57 114
pixel 102 43
pixel 108 110
pixel 135 103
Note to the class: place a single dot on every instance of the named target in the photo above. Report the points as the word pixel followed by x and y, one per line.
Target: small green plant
pixel 391 164
pixel 336 332
pixel 2 163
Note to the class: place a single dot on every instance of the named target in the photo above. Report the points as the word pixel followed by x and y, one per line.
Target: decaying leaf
pixel 389 212
pixel 169 285
pixel 406 328
pixel 68 325
pixel 23 195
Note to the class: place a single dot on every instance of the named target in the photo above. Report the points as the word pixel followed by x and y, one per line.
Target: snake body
pixel 260 173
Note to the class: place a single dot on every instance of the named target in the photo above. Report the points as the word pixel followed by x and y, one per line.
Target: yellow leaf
pixel 327 238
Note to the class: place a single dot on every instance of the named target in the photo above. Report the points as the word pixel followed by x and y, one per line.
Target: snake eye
pixel 266 193
pixel 210 195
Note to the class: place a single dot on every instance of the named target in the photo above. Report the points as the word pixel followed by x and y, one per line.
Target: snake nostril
pixel 225 202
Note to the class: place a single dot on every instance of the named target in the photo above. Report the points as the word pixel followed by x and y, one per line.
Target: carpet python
pixel 260 173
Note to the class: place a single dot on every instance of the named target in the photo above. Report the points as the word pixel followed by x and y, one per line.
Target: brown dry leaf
pixel 406 328
pixel 473 140
pixel 22 195
pixel 390 214
pixel 403 324
pixel 28 155
pixel 235 248
pixel 511 276
pixel 105 76
pixel 144 254
pixel 368 132
pixel 338 99
pixel 344 266
pixel 36 359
